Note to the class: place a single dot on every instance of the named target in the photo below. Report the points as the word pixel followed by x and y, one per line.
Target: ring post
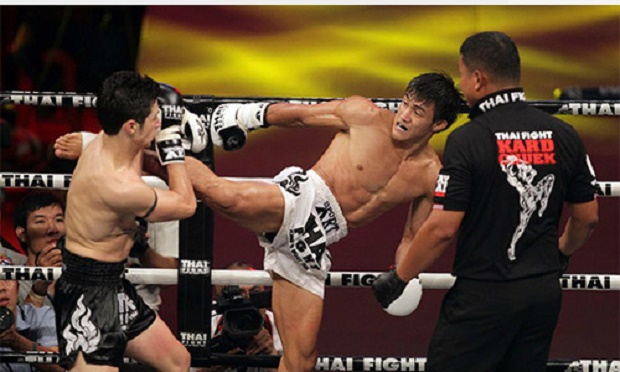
pixel 195 264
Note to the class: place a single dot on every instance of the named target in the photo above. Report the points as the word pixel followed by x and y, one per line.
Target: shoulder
pixel 124 187
pixel 38 316
pixel 361 110
pixel 359 105
pixel 466 132
pixel 14 256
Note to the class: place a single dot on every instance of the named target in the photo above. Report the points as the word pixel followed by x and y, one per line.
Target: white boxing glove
pixel 225 130
pixel 194 132
pixel 251 116
pixel 231 122
pixel 396 296
pixel 408 301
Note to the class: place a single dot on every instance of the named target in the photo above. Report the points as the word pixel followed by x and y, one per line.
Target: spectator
pixel 39 224
pixel 33 328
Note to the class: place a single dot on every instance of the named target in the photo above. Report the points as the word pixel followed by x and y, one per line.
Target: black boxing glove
pixel 140 242
pixel 168 141
pixel 398 298
pixel 388 287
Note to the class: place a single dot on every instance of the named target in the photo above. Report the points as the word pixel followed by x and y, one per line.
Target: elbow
pixel 188 208
pixel 589 222
pixel 443 233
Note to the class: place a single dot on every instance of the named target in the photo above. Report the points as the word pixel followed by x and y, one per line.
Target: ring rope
pixel 594 282
pixel 331 363
pixel 71 99
pixel 62 182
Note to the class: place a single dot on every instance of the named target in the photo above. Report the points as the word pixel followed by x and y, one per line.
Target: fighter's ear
pixel 440 125
pixel 130 127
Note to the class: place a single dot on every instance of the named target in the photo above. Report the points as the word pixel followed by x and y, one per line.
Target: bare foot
pixel 68 146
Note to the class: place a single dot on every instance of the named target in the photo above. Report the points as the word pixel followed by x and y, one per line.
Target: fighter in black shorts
pixel 100 317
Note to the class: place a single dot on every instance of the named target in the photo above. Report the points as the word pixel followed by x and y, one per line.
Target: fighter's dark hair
pixel 123 96
pixel 439 88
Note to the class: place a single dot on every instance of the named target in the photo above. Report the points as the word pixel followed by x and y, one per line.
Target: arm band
pixel 148 213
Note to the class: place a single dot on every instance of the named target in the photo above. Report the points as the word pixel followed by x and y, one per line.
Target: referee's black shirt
pixel 510 169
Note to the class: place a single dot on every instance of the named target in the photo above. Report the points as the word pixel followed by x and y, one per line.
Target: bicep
pixel 166 207
pixel 327 115
pixel 138 198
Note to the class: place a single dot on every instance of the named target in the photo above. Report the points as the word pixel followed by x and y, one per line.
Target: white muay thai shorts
pixel 312 222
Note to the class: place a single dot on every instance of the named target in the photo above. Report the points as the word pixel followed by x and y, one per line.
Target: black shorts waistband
pixel 87 271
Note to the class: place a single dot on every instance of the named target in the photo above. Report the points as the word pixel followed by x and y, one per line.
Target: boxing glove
pixel 397 297
pixel 194 132
pixel 231 122
pixel 168 139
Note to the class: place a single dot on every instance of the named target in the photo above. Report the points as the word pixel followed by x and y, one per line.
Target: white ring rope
pixel 62 182
pixel 604 107
pixel 346 363
pixel 594 282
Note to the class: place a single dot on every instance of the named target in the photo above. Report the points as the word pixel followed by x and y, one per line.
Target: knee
pixel 300 361
pixel 182 361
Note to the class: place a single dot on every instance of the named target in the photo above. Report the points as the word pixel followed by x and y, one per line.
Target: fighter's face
pixel 413 119
pixel 151 126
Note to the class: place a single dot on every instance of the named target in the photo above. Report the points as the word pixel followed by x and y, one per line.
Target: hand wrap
pixel 168 140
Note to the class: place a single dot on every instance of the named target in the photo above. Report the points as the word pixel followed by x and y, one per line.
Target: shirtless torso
pixel 370 173
pixel 107 193
pixel 97 229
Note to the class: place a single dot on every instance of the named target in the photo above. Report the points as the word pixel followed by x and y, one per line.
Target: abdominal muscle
pixel 363 195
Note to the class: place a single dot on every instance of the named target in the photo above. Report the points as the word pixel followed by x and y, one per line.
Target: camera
pixel 6 318
pixel 241 319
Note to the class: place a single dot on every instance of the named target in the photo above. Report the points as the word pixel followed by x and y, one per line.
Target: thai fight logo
pixel 532 195
pixel 81 333
pixel 195 267
pixel 535 147
pixel 292 182
pixel 174 112
pixel 308 244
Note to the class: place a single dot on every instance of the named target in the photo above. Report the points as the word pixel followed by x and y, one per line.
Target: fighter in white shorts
pixel 377 160
pixel 313 221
